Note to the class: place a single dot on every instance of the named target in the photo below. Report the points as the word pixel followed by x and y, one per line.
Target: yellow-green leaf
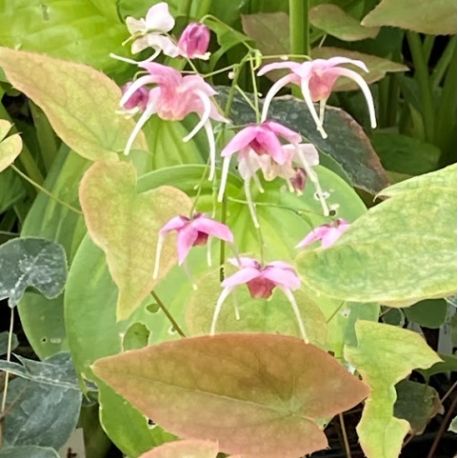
pixel 125 224
pixel 413 234
pixel 336 22
pixel 436 17
pixel 264 394
pixel 9 147
pixel 79 101
pixel 384 356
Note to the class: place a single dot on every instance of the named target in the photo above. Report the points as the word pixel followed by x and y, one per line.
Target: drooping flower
pixel 151 31
pixel 261 280
pixel 194 231
pixel 316 79
pixel 138 101
pixel 194 41
pixel 173 98
pixel 327 234
pixel 256 146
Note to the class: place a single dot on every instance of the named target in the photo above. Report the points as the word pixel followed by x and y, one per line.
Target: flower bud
pixel 194 41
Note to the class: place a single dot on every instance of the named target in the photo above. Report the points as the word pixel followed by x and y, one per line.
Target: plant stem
pixel 423 79
pixel 203 8
pixel 440 433
pixel 167 314
pixel 444 61
pixel 7 374
pixel 299 31
pixel 45 191
pixel 187 9
pixel 344 435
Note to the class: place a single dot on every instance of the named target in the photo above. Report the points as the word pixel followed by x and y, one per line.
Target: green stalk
pixel 443 62
pixel 424 83
pixel 299 31
pixel 203 8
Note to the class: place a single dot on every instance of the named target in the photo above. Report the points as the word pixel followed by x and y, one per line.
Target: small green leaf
pixel 188 448
pixel 417 403
pixel 126 224
pixel 79 102
pixel 434 18
pixel 452 426
pixel 413 233
pixel 430 313
pixel 335 21
pixel 4 342
pixel 28 452
pixel 136 337
pixel 9 147
pixel 385 355
pixel 263 393
pixel 33 262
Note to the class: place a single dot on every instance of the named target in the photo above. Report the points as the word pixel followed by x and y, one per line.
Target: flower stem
pixel 167 314
pixel 344 435
pixel 424 83
pixel 8 359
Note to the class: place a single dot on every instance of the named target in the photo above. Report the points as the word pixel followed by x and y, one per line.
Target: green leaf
pixel 130 431
pixel 336 22
pixel 126 224
pixel 385 355
pixel 72 29
pixel 420 218
pixel 79 102
pixel 43 413
pixel 417 403
pixel 188 448
pixel 11 189
pixel 378 66
pixel 10 147
pixel 435 18
pixel 31 262
pixel 447 365
pixel 136 336
pixel 403 154
pixel 347 143
pixel 430 313
pixel 266 391
pixel 452 426
pixel 28 451
pixel 269 30
pixel 274 315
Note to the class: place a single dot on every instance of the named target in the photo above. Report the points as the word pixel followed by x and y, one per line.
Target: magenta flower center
pixel 261 288
pixel 201 239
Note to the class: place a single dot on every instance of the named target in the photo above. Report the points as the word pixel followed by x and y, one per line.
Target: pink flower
pixel 328 234
pixel 194 41
pixel 191 232
pixel 138 100
pixel 150 32
pixel 256 146
pixel 261 281
pixel 316 79
pixel 173 98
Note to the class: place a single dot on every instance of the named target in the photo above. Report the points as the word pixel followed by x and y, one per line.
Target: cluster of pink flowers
pixel 267 147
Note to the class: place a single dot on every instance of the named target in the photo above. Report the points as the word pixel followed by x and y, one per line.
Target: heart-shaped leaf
pixel 413 233
pixel 9 147
pixel 384 356
pixel 28 451
pixel 34 262
pixel 126 224
pixel 79 102
pixel 435 18
pixel 336 22
pixel 263 393
pixel 192 448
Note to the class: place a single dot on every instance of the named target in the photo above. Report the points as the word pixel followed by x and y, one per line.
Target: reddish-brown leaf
pixel 192 448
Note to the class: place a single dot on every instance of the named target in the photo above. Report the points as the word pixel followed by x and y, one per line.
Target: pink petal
pixel 270 144
pixel 158 18
pixel 331 236
pixel 185 240
pixel 313 236
pixel 309 152
pixel 244 261
pixel 213 228
pixel 284 132
pixel 333 61
pixel 241 277
pixel 282 277
pixel 193 82
pixel 175 224
pixel 240 140
pixel 162 75
pixel 278 66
